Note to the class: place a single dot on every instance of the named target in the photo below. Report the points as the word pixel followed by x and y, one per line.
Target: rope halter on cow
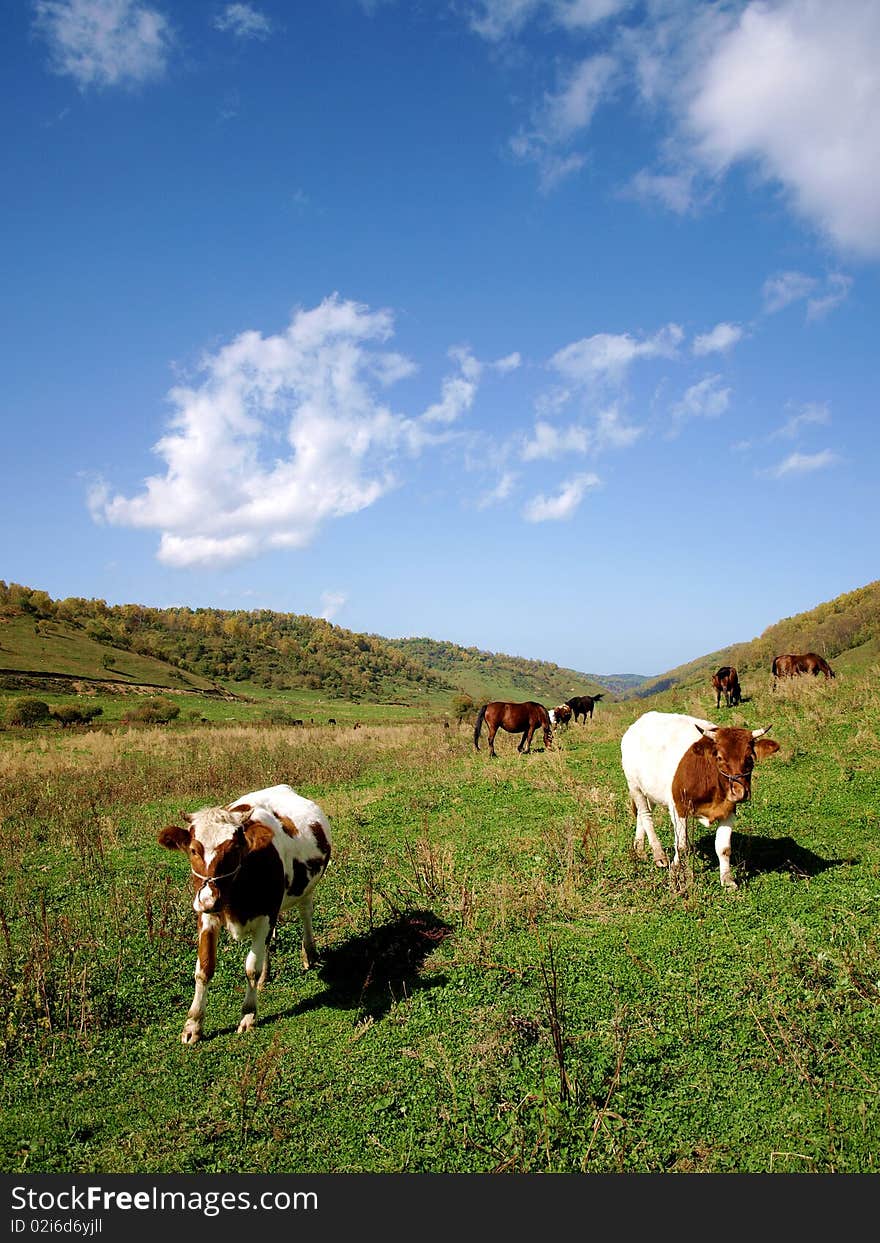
pixel 209 880
pixel 740 779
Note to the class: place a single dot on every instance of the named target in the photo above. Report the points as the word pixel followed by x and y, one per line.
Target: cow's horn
pixel 757 733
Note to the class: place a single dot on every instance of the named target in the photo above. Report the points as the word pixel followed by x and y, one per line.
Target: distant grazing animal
pixel 726 681
pixel 332 720
pixel 583 705
pixel 695 769
pixel 250 861
pixel 792 666
pixel 560 715
pixel 515 718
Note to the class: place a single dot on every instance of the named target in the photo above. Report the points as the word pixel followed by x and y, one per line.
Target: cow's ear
pixel 172 837
pixel 765 747
pixel 703 746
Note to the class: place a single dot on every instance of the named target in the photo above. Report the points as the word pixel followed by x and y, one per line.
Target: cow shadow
pixel 369 972
pixel 754 855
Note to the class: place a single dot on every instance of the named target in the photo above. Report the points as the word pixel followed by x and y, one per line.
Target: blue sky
pixel 544 326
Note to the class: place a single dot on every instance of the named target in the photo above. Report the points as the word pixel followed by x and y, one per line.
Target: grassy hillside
pixel 845 630
pixel 504 986
pixel 493 675
pixel 40 649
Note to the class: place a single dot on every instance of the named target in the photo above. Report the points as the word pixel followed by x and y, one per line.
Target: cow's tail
pixel 774 669
pixel 479 725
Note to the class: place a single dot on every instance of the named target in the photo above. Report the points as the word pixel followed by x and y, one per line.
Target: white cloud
pixel 722 337
pixel 243 21
pixel 104 42
pixel 499 19
pixel 608 355
pixel 703 400
pixel 812 415
pixel 783 288
pixel 792 87
pixel 331 603
pixel 838 291
pixel 279 435
pixel 564 504
pixel 549 441
pixel 561 118
pixel 500 492
pixel 802 464
pixel 675 190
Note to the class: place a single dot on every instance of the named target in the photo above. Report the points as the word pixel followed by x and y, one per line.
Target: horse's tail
pixel 479 725
pixel 599 696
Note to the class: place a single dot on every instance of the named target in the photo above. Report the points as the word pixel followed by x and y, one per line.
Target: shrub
pixel 156 711
pixel 27 711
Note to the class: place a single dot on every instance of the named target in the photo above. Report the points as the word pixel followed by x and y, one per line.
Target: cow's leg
pixel 645 828
pixel 209 930
pixel 723 832
pixel 679 825
pixel 305 905
pixel 253 970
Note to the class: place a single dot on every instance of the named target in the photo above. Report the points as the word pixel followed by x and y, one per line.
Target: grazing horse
pixel 583 705
pixel 790 666
pixel 515 718
pixel 726 681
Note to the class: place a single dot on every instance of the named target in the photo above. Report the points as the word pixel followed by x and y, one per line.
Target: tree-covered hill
pixel 281 651
pixel 845 630
pixel 493 675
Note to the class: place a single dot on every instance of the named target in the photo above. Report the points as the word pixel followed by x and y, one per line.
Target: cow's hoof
pixel 191 1035
pixel 727 882
pixel 661 861
pixel 247 1022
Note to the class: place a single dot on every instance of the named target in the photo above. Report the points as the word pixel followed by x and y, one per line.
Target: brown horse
pixel 790 666
pixel 515 718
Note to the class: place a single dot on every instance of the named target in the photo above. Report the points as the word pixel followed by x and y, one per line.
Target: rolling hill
pixel 845 630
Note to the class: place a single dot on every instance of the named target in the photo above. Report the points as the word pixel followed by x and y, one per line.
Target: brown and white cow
pixel 250 860
pixel 695 769
pixel 560 715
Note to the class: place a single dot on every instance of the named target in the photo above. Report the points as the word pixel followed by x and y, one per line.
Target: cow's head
pixel 216 842
pixel 734 752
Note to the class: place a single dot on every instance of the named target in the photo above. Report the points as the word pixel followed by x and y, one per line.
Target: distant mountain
pixel 845 630
pixel 492 675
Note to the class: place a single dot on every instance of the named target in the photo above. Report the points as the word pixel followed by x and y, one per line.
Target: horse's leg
pixel 493 730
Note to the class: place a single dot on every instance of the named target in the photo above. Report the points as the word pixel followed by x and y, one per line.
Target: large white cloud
pixel 104 42
pixel 278 435
pixel 793 88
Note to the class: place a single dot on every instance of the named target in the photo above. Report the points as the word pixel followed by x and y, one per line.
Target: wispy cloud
pixel 331 603
pixel 783 288
pixel 561 118
pixel 608 355
pixel 706 400
pixel 104 42
pixel 838 287
pixel 500 19
pixel 500 492
pixel 802 464
pixel 243 21
pixel 564 504
pixel 723 337
pixel 814 414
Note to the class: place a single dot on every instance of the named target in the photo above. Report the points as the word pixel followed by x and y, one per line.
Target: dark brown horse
pixel 583 705
pixel 515 718
pixel 791 666
pixel 726 682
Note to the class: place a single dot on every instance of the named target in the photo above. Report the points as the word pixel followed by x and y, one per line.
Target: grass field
pixel 504 987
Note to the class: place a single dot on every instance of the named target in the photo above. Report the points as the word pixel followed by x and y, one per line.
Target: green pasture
pixel 504 986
